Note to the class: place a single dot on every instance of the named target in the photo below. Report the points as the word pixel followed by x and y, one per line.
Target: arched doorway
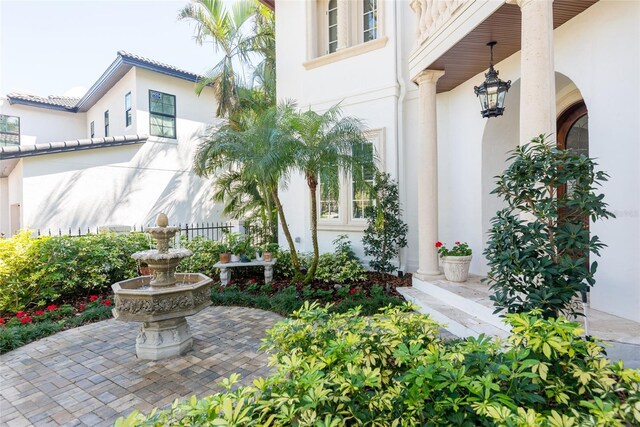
pixel 573 135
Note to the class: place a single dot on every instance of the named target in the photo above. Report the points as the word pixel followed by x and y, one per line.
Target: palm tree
pixel 259 155
pixel 328 145
pixel 226 29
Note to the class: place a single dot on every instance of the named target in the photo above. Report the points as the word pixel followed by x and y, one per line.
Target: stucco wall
pixel 131 184
pixel 471 150
pixel 41 125
pixel 113 101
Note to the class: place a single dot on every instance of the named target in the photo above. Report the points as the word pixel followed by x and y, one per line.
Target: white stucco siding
pixel 597 45
pixel 589 52
pixel 119 185
pixel 193 113
pixel 42 125
pixel 291 34
pixel 4 206
pixel 113 101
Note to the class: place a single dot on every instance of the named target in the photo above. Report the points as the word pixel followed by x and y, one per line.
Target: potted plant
pixel 455 261
pixel 225 255
pixel 144 269
pixel 268 251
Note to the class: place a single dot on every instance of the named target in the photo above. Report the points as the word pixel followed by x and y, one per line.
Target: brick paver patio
pixel 90 375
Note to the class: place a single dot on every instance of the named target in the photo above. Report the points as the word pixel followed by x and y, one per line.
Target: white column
pixel 343 25
pixel 538 81
pixel 428 176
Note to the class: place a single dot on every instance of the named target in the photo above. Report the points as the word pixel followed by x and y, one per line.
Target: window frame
pixel 174 116
pixel 329 26
pixel 345 220
pixel 128 119
pixel 4 134
pixel 106 123
pixel 361 30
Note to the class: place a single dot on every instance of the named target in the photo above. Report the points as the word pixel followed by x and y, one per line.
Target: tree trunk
pixel 295 262
pixel 313 185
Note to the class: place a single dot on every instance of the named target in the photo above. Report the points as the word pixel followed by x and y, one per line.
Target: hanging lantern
pixel 493 91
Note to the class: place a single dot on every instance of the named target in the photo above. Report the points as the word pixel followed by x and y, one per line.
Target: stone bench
pixel 225 269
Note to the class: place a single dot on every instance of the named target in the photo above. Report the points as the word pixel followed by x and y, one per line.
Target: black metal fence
pixel 209 231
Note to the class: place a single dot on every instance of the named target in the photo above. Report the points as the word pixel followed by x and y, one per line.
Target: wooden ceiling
pixel 470 55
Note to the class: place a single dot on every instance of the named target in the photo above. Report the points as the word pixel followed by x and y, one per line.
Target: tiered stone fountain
pixel 162 301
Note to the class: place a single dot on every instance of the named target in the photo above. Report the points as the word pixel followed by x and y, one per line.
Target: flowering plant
pixel 459 249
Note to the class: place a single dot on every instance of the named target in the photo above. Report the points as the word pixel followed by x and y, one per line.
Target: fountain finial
pixel 162 220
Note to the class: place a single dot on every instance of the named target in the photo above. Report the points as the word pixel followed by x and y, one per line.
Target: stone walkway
pixel 91 376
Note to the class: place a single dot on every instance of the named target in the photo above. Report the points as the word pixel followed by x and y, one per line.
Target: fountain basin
pixel 136 301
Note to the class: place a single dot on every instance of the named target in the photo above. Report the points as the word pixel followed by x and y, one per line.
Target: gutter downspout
pixel 399 124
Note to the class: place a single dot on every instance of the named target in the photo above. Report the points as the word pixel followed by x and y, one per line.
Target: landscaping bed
pixel 284 296
pixel 25 326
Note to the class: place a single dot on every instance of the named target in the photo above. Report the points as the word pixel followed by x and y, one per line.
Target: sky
pixel 59 47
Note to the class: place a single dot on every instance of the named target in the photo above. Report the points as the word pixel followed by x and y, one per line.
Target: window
pixel 106 123
pixel 162 114
pixel 329 202
pixel 343 208
pixel 93 129
pixel 370 20
pixel 9 130
pixel 332 15
pixel 360 194
pixel 341 29
pixel 127 109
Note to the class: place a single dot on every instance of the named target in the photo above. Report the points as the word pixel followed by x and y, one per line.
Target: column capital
pixel 523 3
pixel 428 76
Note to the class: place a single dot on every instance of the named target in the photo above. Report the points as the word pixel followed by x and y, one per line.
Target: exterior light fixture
pixel 493 91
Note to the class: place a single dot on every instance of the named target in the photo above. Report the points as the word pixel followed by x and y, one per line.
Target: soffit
pixel 470 55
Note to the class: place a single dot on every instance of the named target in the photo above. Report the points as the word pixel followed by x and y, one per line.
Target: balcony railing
pixel 432 14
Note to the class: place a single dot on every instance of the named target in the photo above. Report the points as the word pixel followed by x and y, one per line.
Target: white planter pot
pixel 456 268
pixel 235 258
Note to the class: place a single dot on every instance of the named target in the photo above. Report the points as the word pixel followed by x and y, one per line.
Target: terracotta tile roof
pixel 156 64
pixel 55 100
pixel 19 151
pixel 122 64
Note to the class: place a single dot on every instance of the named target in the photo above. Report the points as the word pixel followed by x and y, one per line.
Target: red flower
pixel 26 319
pixel 20 314
pixel 438 244
pixel 252 280
pixel 457 243
pixel 107 302
pixel 92 298
pixel 352 291
pixel 39 312
pixel 1 321
pixel 52 307
pixel 82 307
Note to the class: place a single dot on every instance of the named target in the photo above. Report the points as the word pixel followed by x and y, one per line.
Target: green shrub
pixel 340 266
pixel 393 369
pixel 205 254
pixel 386 233
pixel 42 323
pixel 539 246
pixel 37 271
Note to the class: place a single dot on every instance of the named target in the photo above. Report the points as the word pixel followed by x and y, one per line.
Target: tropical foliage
pixel 39 271
pixel 539 246
pixel 394 369
pixel 327 145
pixel 386 233
pixel 259 155
pixel 227 28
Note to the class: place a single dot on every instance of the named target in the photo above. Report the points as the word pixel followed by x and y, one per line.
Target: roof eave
pixel 32 103
pixel 22 151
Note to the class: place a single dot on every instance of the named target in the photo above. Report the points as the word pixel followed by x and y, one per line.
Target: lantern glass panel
pixel 501 97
